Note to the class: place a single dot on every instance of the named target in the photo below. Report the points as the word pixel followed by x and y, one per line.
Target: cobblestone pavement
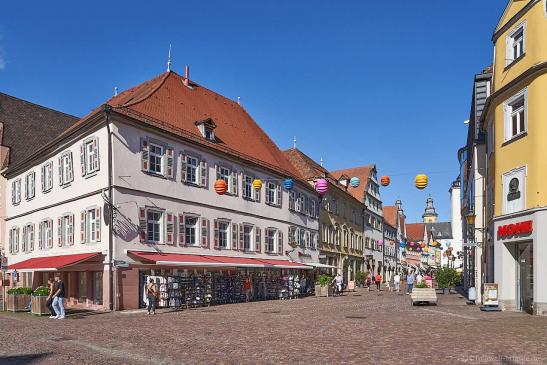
pixel 359 328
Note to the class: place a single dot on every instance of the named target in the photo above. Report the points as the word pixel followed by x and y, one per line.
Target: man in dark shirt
pixel 58 299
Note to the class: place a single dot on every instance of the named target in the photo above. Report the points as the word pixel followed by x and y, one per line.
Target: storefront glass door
pixel 525 277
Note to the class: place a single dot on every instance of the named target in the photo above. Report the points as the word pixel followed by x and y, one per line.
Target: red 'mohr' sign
pixel 515 229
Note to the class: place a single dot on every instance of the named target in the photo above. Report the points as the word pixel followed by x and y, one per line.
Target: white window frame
pixel 91 156
pixel 250 235
pixel 160 222
pixel 509 113
pixel 272 197
pixel 511 42
pixel 16 194
pixel 13 240
pixel 155 154
pixel 47 175
pixel 66 230
pixel 28 238
pixel 191 168
pixel 271 240
pixel 196 227
pixel 30 185
pixel 228 232
pixel 45 232
pixel 248 189
pixel 67 168
pixel 91 225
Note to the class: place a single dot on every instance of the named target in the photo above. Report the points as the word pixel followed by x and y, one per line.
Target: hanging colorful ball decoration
pixel 412 243
pixel 402 244
pixel 434 243
pixel 257 184
pixel 380 243
pixel 426 249
pixel 288 184
pixel 385 180
pixel 321 186
pixel 422 244
pixel 421 181
pixel 221 187
pixel 444 254
pixel 355 182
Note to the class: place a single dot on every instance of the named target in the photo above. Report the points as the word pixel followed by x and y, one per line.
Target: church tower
pixel 430 215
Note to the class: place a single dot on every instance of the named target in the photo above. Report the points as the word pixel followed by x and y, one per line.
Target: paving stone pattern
pixel 358 328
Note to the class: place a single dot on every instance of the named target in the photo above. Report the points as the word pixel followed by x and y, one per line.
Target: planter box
pixel 324 291
pixel 18 303
pixel 423 295
pixel 39 305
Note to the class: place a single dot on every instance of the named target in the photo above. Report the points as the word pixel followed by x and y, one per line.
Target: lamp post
pixel 470 218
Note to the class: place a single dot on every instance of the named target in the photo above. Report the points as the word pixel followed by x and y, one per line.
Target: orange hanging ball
pixel 385 180
pixel 422 244
pixel 221 187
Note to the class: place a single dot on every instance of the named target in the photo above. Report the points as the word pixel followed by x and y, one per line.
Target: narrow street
pixel 359 328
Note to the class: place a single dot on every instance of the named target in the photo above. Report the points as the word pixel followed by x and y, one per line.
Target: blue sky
pixel 357 82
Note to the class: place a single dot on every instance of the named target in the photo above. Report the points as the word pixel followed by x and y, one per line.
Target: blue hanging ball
pixel 402 244
pixel 354 182
pixel 288 184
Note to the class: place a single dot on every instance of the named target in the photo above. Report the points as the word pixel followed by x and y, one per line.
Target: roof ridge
pixel 38 105
pixel 164 76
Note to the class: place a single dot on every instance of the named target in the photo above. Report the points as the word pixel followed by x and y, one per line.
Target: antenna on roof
pixel 239 100
pixel 115 91
pixel 169 59
pixel 321 161
pixel 294 142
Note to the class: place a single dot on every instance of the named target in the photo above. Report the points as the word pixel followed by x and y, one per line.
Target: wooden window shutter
pixel 142 224
pixel 216 242
pixel 82 226
pixel 70 168
pixel 279 242
pixel 234 236
pixel 13 193
pixel 266 248
pixel 291 200
pixel 169 153
pixel 203 173
pixel 182 241
pixel 24 245
pixel 17 239
pixel 61 171
pixel 50 233
pixel 170 229
pixel 82 159
pixel 217 170
pixel 40 233
pixel 98 219
pixel 204 233
pixel 267 190
pixel 96 161
pixel 257 239
pixel 59 231
pixel 182 167
pixel 145 155
pixel 279 195
pixel 32 237
pixel 241 237
pixel 50 177
pixel 235 182
pixel 43 177
pixel 71 229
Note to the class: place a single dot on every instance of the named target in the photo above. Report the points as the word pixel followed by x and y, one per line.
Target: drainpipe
pixel 107 109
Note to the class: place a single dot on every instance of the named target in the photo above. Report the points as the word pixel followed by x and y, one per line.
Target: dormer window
pixel 207 129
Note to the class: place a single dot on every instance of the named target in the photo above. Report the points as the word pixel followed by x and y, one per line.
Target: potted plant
pixel 360 278
pixel 39 301
pixel 18 299
pixel 323 287
pixel 446 278
pixel 421 293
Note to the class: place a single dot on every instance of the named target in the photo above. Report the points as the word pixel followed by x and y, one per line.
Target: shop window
pixel 98 288
pixel 82 286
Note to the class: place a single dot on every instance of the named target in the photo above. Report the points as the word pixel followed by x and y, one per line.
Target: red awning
pixel 52 263
pixel 180 259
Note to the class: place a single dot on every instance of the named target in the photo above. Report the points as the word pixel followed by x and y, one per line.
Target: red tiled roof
pixel 363 173
pixel 165 102
pixel 415 231
pixel 390 215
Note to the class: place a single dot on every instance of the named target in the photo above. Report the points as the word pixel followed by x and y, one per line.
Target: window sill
pixel 66 185
pixel 250 199
pixel 514 138
pixel 91 174
pixel 46 191
pixel 509 65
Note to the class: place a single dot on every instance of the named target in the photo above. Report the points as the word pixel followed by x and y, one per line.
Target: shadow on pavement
pixel 22 359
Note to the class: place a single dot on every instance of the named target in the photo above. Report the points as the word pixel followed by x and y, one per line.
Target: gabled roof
pixel 439 230
pixel 165 102
pixel 415 231
pixel 363 173
pixel 390 215
pixel 27 126
pixel 511 9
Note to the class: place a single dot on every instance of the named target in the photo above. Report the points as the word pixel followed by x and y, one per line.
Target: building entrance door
pixel 525 277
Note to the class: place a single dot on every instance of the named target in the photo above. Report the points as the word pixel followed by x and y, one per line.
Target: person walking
pixel 49 300
pixel 390 283
pixel 397 282
pixel 338 280
pixel 58 303
pixel 303 286
pixel 410 282
pixel 151 293
pixel 369 282
pixel 378 281
pixel 248 287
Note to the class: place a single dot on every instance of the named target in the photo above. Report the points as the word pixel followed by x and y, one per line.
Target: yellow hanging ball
pixel 421 181
pixel 257 184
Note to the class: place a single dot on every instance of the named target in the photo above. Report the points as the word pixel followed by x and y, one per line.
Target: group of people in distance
pixel 393 284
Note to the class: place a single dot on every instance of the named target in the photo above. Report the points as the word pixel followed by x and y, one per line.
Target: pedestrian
pixel 397 282
pixel 248 287
pixel 338 281
pixel 369 282
pixel 419 278
pixel 410 282
pixel 303 286
pixel 151 293
pixel 378 281
pixel 49 300
pixel 390 283
pixel 59 298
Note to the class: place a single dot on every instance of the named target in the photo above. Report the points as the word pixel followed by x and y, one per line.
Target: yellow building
pixel 340 219
pixel 516 125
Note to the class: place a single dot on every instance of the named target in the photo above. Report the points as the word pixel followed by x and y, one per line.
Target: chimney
pixel 187 80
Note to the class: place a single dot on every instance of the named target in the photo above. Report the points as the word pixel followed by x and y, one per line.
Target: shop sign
pixel 490 294
pixel 515 229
